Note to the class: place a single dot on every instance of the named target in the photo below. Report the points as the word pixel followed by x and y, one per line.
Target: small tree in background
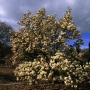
pixel 4 39
pixel 4 32
pixel 4 35
pixel 41 51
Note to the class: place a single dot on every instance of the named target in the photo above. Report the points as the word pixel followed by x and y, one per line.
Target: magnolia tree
pixel 41 51
pixel 42 35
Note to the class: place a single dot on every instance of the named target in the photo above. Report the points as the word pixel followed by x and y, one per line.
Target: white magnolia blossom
pixel 43 72
pixel 50 74
pixel 39 77
pixel 17 78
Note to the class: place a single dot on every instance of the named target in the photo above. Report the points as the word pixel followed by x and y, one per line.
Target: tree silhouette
pixel 4 32
pixel 4 37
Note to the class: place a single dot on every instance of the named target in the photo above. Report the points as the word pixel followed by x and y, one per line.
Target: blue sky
pixel 11 11
pixel 86 38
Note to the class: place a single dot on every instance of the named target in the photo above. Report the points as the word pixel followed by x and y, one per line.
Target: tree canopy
pixel 4 32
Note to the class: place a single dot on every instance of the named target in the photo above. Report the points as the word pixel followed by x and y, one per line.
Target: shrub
pixel 5 53
pixel 41 51
pixel 2 61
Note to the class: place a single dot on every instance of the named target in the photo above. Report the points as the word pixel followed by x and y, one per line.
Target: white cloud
pixel 84 47
pixel 2 12
pixel 12 10
pixel 71 2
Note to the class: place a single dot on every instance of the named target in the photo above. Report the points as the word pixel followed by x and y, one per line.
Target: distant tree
pixel 4 36
pixel 4 32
